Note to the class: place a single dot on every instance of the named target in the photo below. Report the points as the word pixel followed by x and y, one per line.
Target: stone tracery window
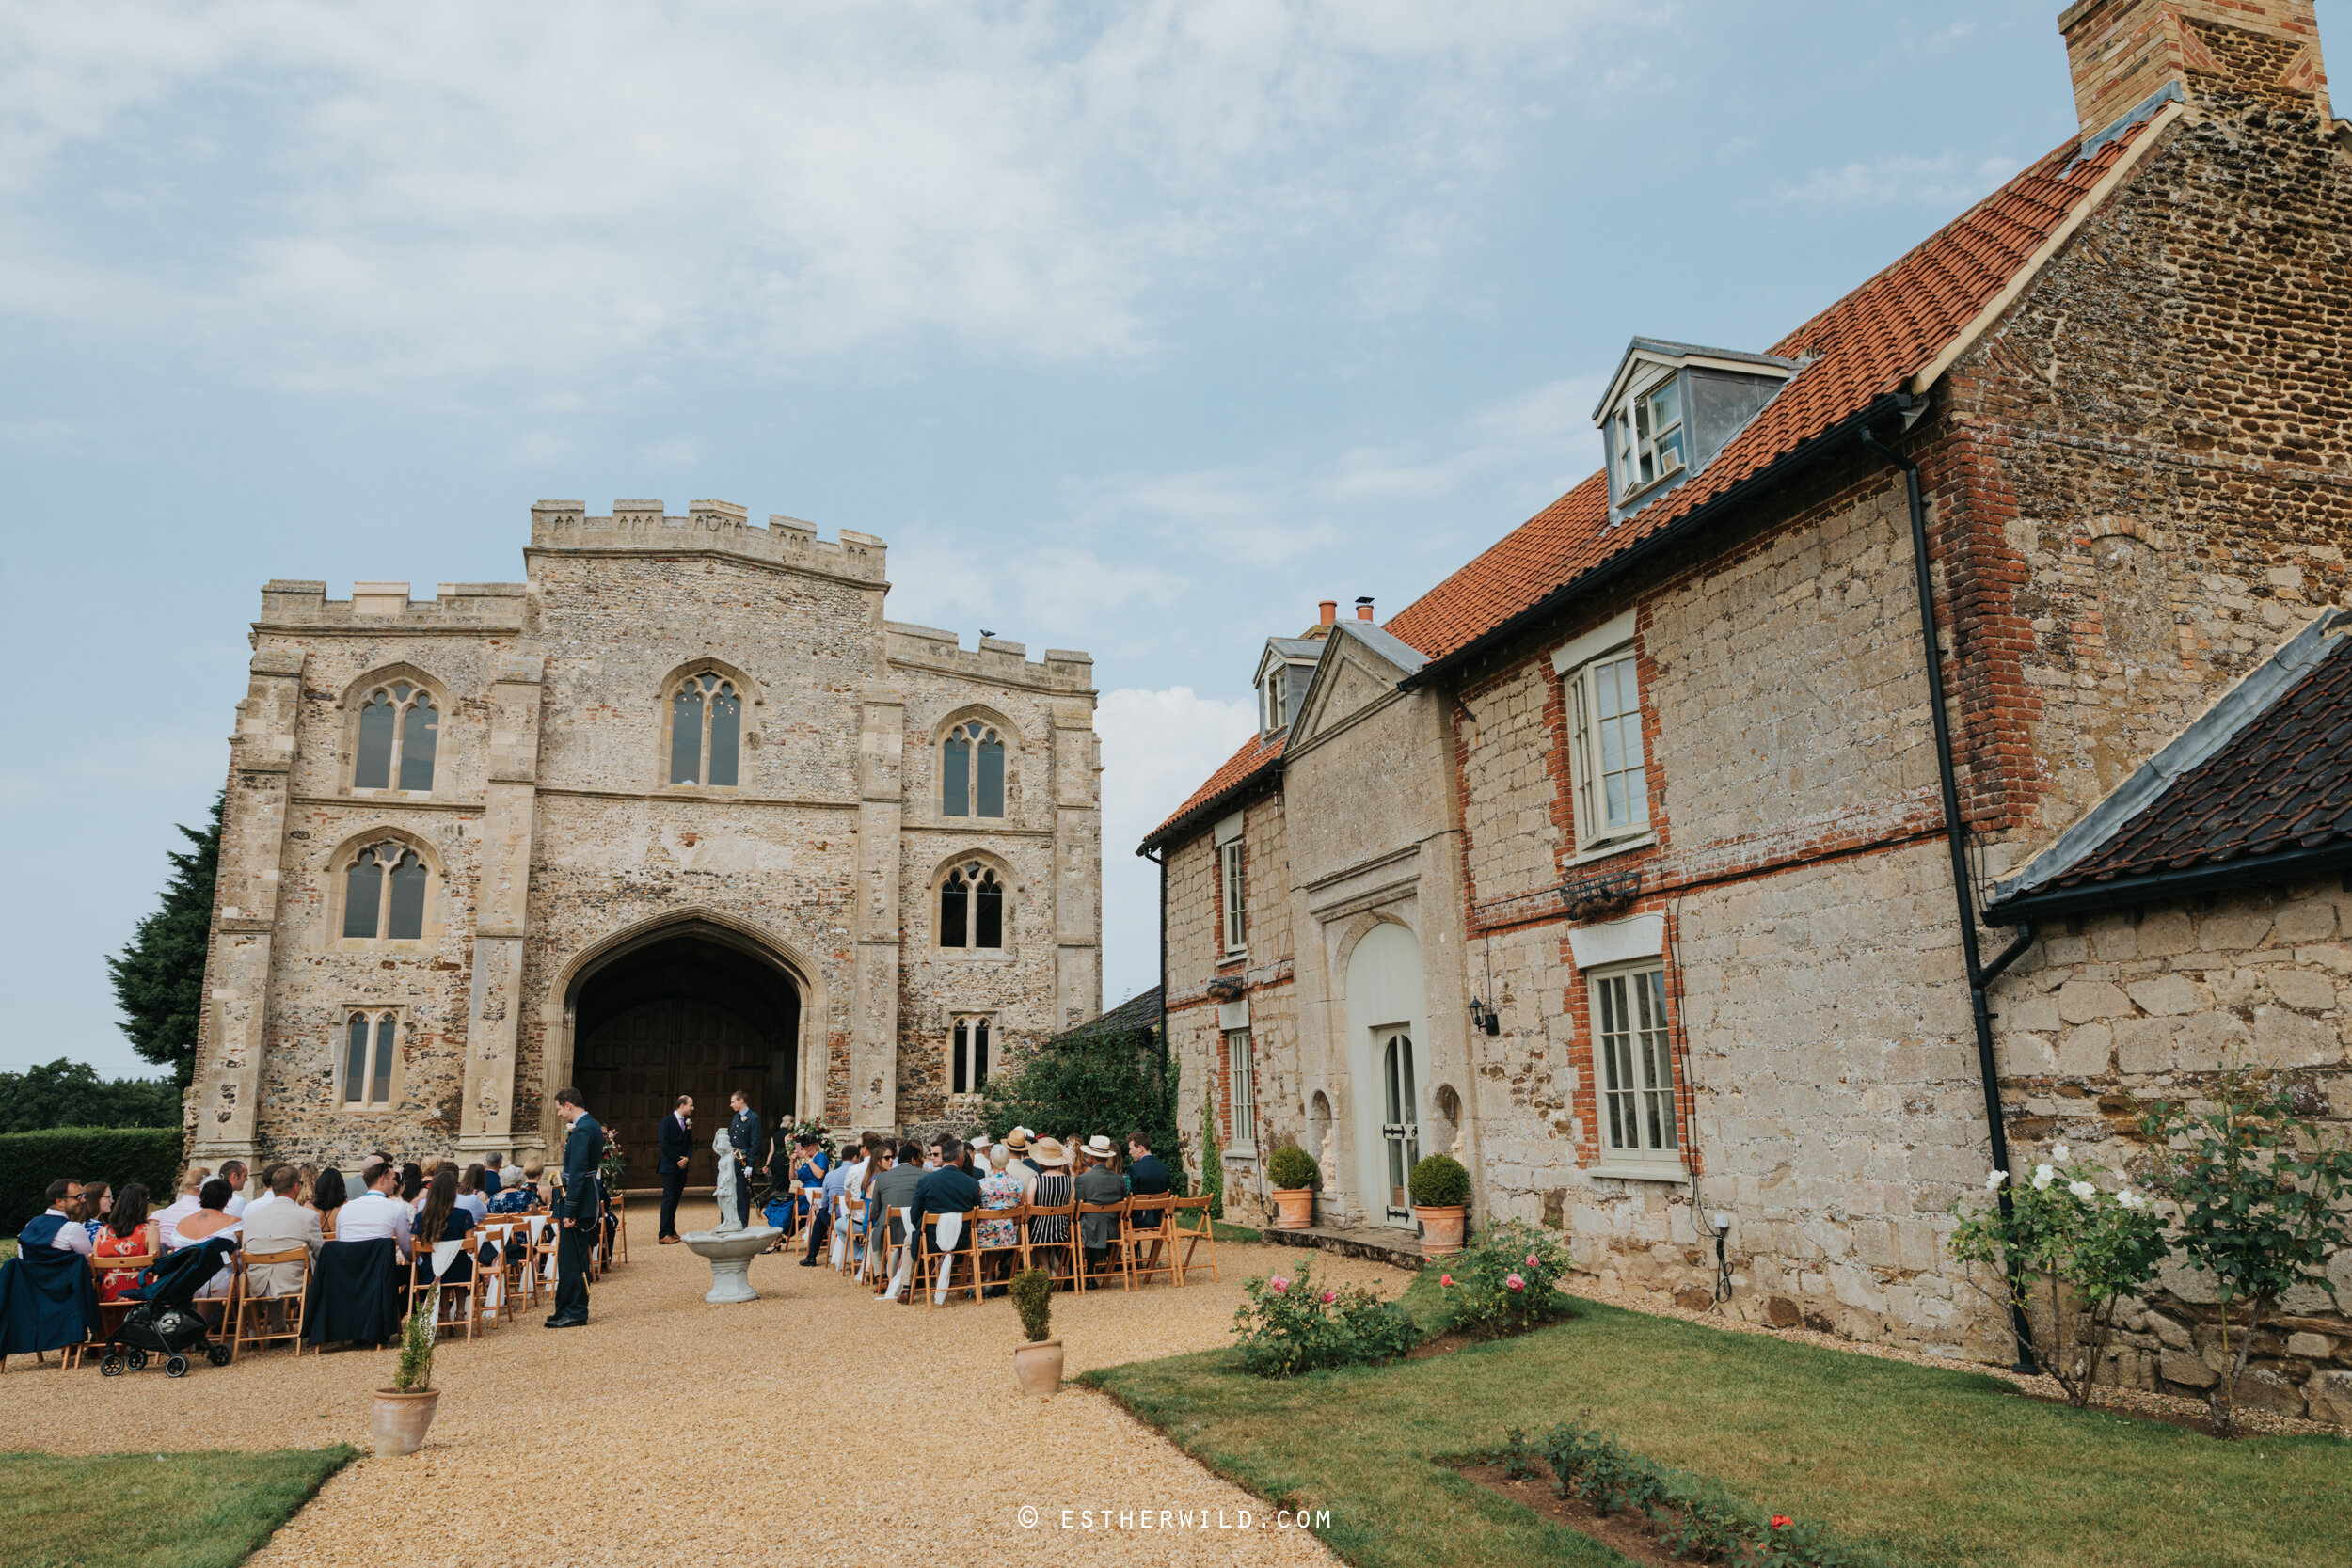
pixel 968 1055
pixel 384 892
pixel 971 908
pixel 972 772
pixel 370 1045
pixel 399 728
pixel 705 730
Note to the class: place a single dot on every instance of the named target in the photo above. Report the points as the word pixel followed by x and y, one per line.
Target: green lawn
pixel 151 1510
pixel 1923 1465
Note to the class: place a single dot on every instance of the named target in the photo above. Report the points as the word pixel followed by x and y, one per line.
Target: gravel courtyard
pixel 809 1426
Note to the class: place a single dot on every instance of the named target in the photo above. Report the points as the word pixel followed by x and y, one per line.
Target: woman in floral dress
pixel 1000 1189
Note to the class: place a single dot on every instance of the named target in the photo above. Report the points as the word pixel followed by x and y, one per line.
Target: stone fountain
pixel 730 1244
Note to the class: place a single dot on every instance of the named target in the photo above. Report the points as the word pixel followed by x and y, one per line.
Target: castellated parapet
pixel 680 813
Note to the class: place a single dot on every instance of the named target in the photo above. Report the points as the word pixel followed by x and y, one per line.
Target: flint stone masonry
pixel 555 843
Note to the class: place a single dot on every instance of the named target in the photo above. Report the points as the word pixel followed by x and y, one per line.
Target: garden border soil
pixel 1622 1533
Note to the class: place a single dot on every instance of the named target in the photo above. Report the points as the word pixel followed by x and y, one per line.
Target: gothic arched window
pixel 399 726
pixel 705 730
pixel 971 908
pixel 967 1070
pixel 972 772
pixel 371 1044
pixel 384 894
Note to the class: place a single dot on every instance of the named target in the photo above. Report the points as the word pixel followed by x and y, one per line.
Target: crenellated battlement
pixel 293 605
pixel 997 658
pixel 709 524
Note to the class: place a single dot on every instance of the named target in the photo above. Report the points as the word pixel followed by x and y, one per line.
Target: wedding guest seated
pixel 1146 1175
pixel 60 1225
pixel 893 1190
pixel 1099 1183
pixel 268 1193
pixel 326 1197
pixel 377 1211
pixel 47 1299
pixel 234 1172
pixel 309 1174
pixel 948 1190
pixel 442 1218
pixel 279 1227
pixel 493 1175
pixel 211 1218
pixel 130 1231
pixel 999 1189
pixel 470 1193
pixel 411 1185
pixel 1051 1190
pixel 519 1194
pixel 180 1207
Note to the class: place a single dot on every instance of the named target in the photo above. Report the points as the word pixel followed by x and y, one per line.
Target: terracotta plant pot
pixel 1441 1229
pixel 1293 1207
pixel 1037 1367
pixel 399 1421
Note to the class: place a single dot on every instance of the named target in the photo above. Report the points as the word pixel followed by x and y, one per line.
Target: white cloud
pixel 407 189
pixel 1940 181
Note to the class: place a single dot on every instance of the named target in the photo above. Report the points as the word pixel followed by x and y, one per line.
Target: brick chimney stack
pixel 1363 609
pixel 1330 611
pixel 2123 52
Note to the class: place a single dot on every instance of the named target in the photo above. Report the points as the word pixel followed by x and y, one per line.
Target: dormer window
pixel 1647 441
pixel 1274 701
pixel 1672 407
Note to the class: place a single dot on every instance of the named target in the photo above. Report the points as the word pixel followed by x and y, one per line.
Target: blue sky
pixel 1133 328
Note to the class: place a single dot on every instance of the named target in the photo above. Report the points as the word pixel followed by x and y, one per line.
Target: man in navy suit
pixel 677 1148
pixel 578 1212
pixel 1146 1173
pixel 744 1133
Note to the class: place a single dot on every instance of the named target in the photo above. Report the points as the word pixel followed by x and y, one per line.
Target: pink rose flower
pixel 1445 1279
pixel 1534 1262
pixel 1514 1282
pixel 1329 1296
pixel 1279 1284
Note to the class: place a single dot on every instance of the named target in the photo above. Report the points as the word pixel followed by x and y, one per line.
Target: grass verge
pixel 1921 1465
pixel 154 1510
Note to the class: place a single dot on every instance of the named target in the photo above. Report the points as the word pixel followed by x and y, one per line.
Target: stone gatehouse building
pixel 680 813
pixel 1638 862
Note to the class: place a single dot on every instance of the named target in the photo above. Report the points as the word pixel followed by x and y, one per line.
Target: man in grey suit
pixel 280 1226
pixel 1099 1183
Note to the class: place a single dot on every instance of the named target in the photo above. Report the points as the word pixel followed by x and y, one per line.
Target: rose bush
pixel 1505 1280
pixel 1289 1325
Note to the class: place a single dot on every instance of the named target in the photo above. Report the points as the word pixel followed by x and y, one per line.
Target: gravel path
pixel 807 1426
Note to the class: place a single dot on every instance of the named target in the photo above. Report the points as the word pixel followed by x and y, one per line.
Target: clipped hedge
pixel 116 1155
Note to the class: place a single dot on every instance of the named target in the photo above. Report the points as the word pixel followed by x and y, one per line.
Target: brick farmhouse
pixel 1914 747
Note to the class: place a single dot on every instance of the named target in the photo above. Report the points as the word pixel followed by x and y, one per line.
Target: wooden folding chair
pixel 1116 1248
pixel 937 1271
pixel 538 1258
pixel 99 1269
pixel 894 1253
pixel 494 1279
pixel 620 1227
pixel 251 1314
pixel 1018 1215
pixel 1055 1255
pixel 461 1299
pixel 1189 1220
pixel 1151 1249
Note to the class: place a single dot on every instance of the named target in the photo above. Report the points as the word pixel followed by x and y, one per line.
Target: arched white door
pixel 1386 1021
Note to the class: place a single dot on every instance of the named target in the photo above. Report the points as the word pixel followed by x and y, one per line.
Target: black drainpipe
pixel 1955 838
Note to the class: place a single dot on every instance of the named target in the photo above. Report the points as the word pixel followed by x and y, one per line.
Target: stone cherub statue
pixel 723 1147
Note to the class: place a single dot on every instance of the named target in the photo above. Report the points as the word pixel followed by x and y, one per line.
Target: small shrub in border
pixel 1504 1282
pixel 1692 1515
pixel 1290 1325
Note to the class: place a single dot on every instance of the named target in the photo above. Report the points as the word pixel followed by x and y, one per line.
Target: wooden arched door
pixel 636 1064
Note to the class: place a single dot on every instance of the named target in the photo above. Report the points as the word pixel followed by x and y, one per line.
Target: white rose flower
pixel 2042 1177
pixel 2060 1153
pixel 2083 1190
pixel 1992 1183
pixel 2131 1199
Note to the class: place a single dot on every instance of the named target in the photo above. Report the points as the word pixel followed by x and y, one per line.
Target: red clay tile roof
pixel 2283 784
pixel 1866 345
pixel 1254 758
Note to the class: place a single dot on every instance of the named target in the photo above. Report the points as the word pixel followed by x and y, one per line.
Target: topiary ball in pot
pixel 1036 1365
pixel 1293 1174
pixel 1440 1189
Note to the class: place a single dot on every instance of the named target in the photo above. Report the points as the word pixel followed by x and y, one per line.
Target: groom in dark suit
pixel 745 1132
pixel 677 1149
pixel 579 1212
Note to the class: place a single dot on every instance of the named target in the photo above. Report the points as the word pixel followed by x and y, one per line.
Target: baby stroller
pixel 165 1321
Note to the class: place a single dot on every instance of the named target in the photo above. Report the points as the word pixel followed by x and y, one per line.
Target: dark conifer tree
pixel 159 979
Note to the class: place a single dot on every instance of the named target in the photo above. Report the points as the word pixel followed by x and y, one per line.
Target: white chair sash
pixel 950 1230
pixel 444 1254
